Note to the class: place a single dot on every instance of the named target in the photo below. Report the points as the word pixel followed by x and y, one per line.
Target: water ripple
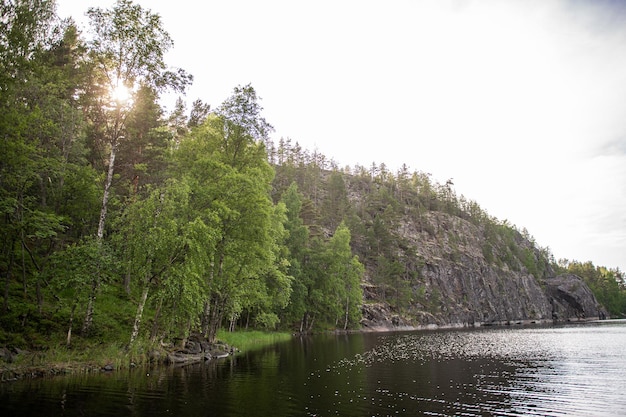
pixel 541 371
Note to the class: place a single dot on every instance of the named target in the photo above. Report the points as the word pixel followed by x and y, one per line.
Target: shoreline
pixel 478 325
pixel 57 361
pixel 22 369
pixel 11 372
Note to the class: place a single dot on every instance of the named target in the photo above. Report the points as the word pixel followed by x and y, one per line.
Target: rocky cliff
pixel 468 274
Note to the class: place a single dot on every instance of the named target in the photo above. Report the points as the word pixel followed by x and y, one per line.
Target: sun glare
pixel 120 93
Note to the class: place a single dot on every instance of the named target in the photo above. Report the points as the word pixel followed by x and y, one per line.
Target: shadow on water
pixel 554 371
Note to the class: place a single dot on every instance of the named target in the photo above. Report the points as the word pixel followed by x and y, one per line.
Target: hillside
pixel 432 258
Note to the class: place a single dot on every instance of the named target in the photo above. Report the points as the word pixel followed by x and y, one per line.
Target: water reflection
pixel 553 371
pixel 541 371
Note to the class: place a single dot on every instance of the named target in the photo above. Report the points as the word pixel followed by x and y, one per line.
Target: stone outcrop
pixel 198 349
pixel 571 297
pixel 463 276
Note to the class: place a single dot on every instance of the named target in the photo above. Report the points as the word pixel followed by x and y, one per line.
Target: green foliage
pixel 335 294
pixel 241 114
pixel 70 271
pixel 267 321
pixel 242 266
pixel 297 245
pixel 488 253
pixel 130 43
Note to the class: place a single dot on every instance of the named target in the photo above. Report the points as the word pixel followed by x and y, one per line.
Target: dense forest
pixel 120 221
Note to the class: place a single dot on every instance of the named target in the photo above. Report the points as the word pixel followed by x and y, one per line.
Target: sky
pixel 522 103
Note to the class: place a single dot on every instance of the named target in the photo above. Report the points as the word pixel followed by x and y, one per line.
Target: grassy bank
pixel 252 339
pixel 59 359
pixel 84 357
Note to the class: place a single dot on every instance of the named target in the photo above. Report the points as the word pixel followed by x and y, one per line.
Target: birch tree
pixel 127 50
pixel 154 235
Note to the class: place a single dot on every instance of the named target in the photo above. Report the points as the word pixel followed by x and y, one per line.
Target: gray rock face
pixel 572 298
pixel 467 277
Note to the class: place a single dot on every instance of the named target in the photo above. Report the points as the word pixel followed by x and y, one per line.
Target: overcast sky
pixel 522 103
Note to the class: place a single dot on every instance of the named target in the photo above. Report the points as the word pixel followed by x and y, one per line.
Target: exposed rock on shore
pixel 465 277
pixel 572 298
pixel 198 349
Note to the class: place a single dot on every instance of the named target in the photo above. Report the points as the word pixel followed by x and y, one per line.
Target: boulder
pixel 377 316
pixel 572 299
pixel 6 355
pixel 180 357
pixel 154 355
pixel 192 347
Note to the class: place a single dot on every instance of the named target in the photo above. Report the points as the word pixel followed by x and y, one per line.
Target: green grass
pixel 116 353
pixel 88 355
pixel 251 339
pixel 84 356
pixel 94 356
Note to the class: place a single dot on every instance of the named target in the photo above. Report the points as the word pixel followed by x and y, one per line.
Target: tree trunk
pixel 139 315
pixel 89 313
pixel 105 196
pixel 100 234
pixel 68 341
pixel 155 323
pixel 345 324
pixel 7 284
pixel 23 267
pixel 185 335
pixel 209 313
pixel 206 318
pixel 127 282
pixel 308 325
pixel 39 297
pixel 215 319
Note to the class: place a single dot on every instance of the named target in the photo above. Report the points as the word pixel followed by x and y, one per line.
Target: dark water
pixel 575 370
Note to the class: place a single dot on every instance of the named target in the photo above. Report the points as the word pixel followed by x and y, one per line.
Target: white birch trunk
pixel 345 324
pixel 105 196
pixel 139 315
pixel 103 214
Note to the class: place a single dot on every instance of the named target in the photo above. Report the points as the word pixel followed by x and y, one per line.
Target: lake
pixel 569 370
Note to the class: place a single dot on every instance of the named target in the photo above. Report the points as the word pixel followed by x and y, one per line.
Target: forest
pixel 123 222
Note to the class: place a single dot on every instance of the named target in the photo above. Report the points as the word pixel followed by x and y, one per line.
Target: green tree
pixel 177 120
pixel 267 296
pixel 297 243
pixel 344 276
pixel 226 166
pixel 41 156
pixel 127 51
pixel 335 204
pixel 199 113
pixel 143 161
pixel 154 235
pixel 241 114
pixel 70 274
pixel 335 295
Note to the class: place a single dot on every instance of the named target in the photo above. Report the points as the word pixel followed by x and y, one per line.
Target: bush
pixel 267 321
